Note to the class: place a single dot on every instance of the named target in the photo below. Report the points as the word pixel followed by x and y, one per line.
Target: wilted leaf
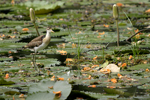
pixel 113 68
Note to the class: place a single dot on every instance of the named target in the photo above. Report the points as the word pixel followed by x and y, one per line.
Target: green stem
pixel 36 29
pixel 118 36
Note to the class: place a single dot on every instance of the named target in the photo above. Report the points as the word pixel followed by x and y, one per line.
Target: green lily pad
pixel 10 46
pixel 140 67
pixel 26 63
pixel 4 82
pixel 101 96
pixel 93 37
pixel 64 87
pixel 40 95
pixel 4 89
pixel 42 7
pixel 141 97
pixel 12 69
pixel 5 59
pixel 41 87
pixel 144 86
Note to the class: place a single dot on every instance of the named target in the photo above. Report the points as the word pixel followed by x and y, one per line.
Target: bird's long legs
pixel 34 63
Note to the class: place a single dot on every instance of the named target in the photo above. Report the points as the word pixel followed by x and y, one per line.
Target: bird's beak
pixel 52 31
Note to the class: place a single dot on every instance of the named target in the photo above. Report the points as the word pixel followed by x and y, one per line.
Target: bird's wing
pixel 39 38
pixel 33 44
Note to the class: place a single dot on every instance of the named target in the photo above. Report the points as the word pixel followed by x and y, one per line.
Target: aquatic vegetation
pixel 85 59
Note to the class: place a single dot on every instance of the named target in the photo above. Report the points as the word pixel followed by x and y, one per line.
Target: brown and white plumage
pixel 40 42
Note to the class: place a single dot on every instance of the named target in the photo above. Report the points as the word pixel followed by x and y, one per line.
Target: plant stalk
pixel 118 36
pixel 136 33
pixel 36 29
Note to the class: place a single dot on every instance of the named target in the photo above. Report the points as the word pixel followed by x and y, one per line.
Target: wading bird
pixel 39 43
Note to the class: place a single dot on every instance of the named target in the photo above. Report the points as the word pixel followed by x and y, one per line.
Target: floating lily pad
pixel 101 96
pixel 64 87
pixel 40 95
pixel 145 86
pixel 41 87
pixel 4 82
pixel 93 37
pixel 141 97
pixel 10 46
pixel 26 63
pixel 140 67
pixel 42 7
pixel 5 59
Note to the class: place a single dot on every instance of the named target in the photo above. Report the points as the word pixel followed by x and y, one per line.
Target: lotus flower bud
pixel 115 11
pixel 32 15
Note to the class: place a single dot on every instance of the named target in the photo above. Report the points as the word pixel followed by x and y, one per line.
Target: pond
pixel 92 55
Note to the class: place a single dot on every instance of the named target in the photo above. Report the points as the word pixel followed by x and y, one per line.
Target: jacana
pixel 39 43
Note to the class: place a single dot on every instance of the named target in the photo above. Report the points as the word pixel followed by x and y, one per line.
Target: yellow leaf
pixel 95 58
pixel 113 80
pixel 25 29
pixel 57 93
pixel 6 76
pixel 93 86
